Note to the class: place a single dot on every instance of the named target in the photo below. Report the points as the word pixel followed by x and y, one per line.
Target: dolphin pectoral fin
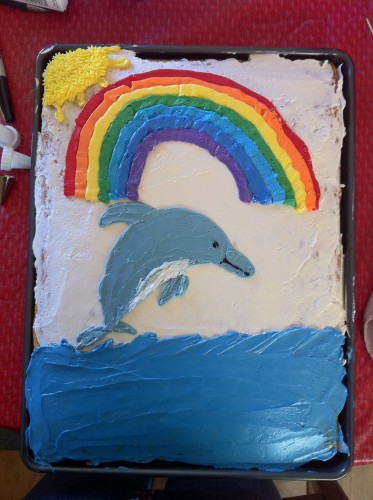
pixel 90 336
pixel 122 327
pixel 174 287
pixel 128 212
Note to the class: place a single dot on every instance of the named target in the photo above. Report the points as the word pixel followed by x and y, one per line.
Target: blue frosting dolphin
pixel 154 251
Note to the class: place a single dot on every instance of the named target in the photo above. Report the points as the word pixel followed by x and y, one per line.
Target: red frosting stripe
pixel 77 152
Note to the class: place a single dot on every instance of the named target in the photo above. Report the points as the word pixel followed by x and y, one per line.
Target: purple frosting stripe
pixel 185 135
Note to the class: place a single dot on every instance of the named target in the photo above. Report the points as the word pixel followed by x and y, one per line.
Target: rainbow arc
pixel 120 125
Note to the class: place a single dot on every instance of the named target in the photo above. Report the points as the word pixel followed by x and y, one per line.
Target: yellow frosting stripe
pixel 268 134
pixel 193 90
pixel 86 135
pixel 102 127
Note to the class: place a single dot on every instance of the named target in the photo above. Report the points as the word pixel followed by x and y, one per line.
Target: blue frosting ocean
pixel 269 401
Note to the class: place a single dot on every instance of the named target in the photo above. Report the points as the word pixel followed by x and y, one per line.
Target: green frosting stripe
pixel 129 111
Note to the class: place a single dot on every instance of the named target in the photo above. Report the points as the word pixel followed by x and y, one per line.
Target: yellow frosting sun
pixel 70 74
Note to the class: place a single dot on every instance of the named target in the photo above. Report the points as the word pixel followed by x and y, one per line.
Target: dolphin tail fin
pixel 91 335
pixel 122 327
pixel 95 333
pixel 128 212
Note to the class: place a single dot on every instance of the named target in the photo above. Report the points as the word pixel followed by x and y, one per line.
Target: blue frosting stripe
pixel 234 401
pixel 259 174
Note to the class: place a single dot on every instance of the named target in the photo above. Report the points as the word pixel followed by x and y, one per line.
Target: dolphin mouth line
pixel 226 261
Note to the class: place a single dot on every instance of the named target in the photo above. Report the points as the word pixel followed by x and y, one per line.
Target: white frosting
pixel 297 257
pixel 156 278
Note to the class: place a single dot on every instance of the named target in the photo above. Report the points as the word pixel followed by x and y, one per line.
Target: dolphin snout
pixel 238 264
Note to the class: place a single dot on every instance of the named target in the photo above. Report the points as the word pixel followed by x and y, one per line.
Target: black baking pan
pixel 341 463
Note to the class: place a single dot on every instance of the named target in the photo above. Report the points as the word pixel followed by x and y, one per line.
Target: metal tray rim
pixel 323 471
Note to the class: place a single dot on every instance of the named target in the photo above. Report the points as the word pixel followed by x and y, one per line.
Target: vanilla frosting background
pixel 297 256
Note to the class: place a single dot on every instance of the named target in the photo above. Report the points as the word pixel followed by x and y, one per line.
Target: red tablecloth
pixel 314 24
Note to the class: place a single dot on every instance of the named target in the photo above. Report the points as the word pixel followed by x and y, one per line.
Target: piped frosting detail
pixel 70 74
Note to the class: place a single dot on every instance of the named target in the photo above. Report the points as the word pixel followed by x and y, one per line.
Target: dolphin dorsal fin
pixel 128 212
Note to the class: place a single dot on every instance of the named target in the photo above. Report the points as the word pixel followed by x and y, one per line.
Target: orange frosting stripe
pixel 271 116
pixel 86 135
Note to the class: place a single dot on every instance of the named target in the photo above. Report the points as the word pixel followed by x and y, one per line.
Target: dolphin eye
pixel 215 244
